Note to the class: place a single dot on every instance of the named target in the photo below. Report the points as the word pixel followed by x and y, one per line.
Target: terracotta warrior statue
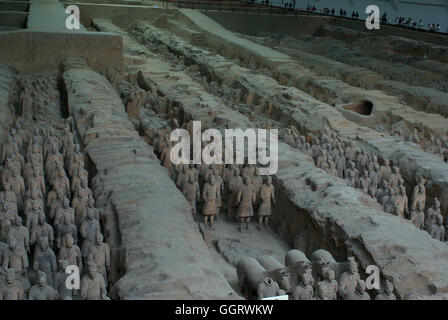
pixel 15 257
pixel 37 181
pixel 331 169
pixel 89 227
pixel 431 213
pixel 7 171
pixel 62 212
pixel 330 285
pixel 11 289
pixel 417 217
pixel 7 195
pixel 7 217
pixel 66 137
pixel 393 179
pixel 66 227
pixel 382 192
pixel 264 208
pixel 33 201
pixel 321 291
pixel 401 203
pixel 67 151
pixel 30 166
pixel 234 185
pixel 63 182
pixel 349 279
pixel 257 182
pixel 388 201
pixel 195 172
pixel 269 288
pixel 373 162
pixel 437 230
pixel 374 177
pixel 304 290
pixel 80 178
pixel 41 229
pixel 210 195
pixel 165 157
pixel 183 176
pixel 220 186
pixel 364 181
pixel 44 259
pixel 99 253
pixel 52 194
pixel 360 292
pixel 227 175
pixel 75 162
pixel 191 191
pixel 245 199
pixel 41 290
pixel 321 268
pixel 54 158
pixel 419 195
pixel 20 233
pixel 350 151
pixel 18 187
pixel 51 173
pixel 8 149
pixel 93 286
pixel 60 279
pixel 352 167
pixel 51 144
pixel 361 161
pixel 387 293
pixel 205 172
pixel 385 170
pixel 57 203
pixel 340 164
pixel 70 252
pixel 350 180
pixel 32 217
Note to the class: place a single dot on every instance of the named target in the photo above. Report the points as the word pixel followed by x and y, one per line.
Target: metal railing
pixel 274 8
pixel 234 6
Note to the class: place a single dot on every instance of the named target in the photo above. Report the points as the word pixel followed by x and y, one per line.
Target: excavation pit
pixel 364 107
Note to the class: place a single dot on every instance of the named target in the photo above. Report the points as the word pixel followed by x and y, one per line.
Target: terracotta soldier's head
pixel 69 240
pixel 18 221
pixel 329 275
pixel 41 278
pixel 10 276
pixel 12 243
pixel 361 286
pixel 91 269
pixel 99 238
pixel 66 203
pixel 353 266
